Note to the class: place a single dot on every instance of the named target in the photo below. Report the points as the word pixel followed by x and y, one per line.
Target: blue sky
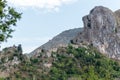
pixel 44 19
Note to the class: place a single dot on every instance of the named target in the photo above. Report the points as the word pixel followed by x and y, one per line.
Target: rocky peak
pixel 101 31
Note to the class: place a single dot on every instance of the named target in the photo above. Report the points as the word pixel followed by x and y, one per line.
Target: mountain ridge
pixel 101 30
pixel 61 40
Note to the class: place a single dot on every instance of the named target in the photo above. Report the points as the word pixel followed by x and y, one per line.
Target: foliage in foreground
pixel 8 18
pixel 69 64
pixel 83 64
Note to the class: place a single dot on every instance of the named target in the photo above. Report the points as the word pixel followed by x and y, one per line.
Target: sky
pixel 43 19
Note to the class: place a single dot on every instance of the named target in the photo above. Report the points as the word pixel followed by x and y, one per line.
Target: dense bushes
pixel 70 64
pixel 84 64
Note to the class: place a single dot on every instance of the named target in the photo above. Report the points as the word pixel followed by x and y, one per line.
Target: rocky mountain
pixel 61 40
pixel 76 54
pixel 102 30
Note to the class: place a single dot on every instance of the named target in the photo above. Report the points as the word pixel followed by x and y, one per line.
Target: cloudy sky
pixel 43 19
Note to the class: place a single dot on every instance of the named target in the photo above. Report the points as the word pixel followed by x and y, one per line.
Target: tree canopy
pixel 8 18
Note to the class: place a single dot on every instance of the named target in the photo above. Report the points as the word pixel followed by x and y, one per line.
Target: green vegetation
pixel 8 18
pixel 2 79
pixel 83 64
pixel 68 64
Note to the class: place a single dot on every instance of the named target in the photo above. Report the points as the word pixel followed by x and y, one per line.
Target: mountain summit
pixel 102 30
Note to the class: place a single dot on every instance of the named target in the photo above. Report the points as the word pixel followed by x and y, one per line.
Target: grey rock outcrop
pixel 117 16
pixel 101 30
pixel 61 40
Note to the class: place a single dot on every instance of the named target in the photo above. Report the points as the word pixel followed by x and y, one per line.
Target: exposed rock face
pixel 61 40
pixel 101 29
pixel 117 15
pixel 9 58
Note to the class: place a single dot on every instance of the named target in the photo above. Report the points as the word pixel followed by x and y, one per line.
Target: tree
pixel 19 49
pixel 8 19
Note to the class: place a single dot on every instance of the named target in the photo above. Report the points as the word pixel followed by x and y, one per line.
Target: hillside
pixel 68 63
pixel 62 39
pixel 10 58
pixel 82 64
pixel 89 53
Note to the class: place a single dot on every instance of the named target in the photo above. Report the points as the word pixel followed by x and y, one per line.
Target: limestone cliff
pixel 102 30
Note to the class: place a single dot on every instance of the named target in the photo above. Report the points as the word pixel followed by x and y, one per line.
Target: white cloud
pixel 41 4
